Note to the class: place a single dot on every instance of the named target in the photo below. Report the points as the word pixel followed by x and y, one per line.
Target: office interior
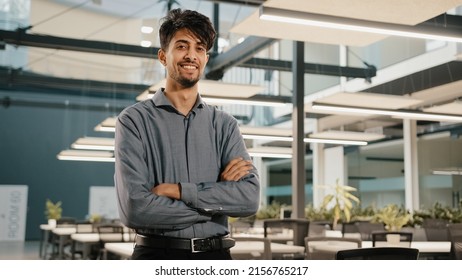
pixel 68 65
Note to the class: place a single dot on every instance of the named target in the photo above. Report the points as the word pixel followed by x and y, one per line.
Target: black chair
pixel 455 236
pixel 325 248
pixel 382 239
pixel 379 253
pixel 318 228
pixel 366 229
pixel 436 229
pixel 299 228
pixel 351 230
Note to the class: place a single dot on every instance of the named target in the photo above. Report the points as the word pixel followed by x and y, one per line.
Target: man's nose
pixel 191 55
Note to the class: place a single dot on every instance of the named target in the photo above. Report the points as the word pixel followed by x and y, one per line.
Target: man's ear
pixel 161 57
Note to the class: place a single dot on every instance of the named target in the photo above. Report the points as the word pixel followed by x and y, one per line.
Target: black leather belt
pixel 194 245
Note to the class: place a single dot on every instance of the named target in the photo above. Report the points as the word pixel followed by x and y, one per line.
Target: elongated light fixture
pixel 256 100
pixel 94 143
pixel 108 125
pixel 82 155
pixel 401 113
pixel 350 24
pixel 306 140
pixel 270 152
pixel 448 171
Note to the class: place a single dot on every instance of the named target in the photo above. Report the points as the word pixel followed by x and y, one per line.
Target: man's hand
pixel 236 169
pixel 169 190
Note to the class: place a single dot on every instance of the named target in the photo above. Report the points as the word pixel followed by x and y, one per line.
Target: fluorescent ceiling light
pixel 249 101
pixel 350 24
pixel 147 29
pixel 448 171
pixel 270 152
pixel 94 143
pixel 257 100
pixel 348 135
pixel 401 113
pixel 285 135
pixel 212 88
pixel 108 125
pixel 334 141
pixel 82 155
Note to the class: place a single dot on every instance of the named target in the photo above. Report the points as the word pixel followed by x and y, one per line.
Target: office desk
pixel 279 251
pixel 122 249
pixel 426 248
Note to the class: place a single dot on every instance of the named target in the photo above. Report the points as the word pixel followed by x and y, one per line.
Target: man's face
pixel 185 58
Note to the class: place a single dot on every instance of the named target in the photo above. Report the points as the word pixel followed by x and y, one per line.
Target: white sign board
pixel 13 212
pixel 103 202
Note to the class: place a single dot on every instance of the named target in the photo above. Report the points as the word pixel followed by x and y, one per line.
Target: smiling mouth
pixel 189 67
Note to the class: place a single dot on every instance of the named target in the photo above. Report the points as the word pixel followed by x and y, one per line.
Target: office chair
pixel 378 253
pixel 381 239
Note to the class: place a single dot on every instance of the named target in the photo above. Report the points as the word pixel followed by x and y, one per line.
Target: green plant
pixel 393 217
pixel 317 214
pixel 53 210
pixel 343 202
pixel 270 211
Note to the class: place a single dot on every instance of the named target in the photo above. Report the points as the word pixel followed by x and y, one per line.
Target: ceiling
pixel 433 82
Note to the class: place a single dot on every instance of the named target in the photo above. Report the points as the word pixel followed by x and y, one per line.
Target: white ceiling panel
pixel 370 100
pixel 454 108
pixel 409 12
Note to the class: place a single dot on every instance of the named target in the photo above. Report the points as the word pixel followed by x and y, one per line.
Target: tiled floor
pixel 19 250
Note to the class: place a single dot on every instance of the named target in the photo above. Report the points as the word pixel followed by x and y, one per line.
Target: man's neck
pixel 183 99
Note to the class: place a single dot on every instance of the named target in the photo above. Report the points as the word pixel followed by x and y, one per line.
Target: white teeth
pixel 189 67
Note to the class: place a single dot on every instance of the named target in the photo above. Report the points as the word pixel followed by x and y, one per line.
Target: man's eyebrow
pixel 182 41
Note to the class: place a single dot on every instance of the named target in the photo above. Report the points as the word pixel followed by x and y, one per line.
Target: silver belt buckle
pixel 193 247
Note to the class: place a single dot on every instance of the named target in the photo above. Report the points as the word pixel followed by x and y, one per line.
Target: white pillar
pixel 318 168
pixel 411 168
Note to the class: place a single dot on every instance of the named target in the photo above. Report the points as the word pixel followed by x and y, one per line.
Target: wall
pixel 31 137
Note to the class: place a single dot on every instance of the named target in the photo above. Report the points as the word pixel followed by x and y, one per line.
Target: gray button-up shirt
pixel 154 144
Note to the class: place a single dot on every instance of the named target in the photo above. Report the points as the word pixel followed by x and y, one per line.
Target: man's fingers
pixel 232 163
pixel 236 169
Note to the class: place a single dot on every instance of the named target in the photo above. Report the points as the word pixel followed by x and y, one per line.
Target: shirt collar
pixel 161 100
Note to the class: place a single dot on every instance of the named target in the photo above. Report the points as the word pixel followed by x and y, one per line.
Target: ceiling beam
pixel 240 55
pixel 17 79
pixel 21 38
pixel 217 66
pixel 312 68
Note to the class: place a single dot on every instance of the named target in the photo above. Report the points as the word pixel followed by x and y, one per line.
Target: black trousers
pixel 149 253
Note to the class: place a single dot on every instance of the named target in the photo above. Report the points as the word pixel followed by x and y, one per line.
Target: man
pixel 181 165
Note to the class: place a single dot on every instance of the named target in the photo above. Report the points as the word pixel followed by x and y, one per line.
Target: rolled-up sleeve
pixel 232 198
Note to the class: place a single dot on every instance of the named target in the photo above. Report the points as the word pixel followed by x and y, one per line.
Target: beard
pixel 185 82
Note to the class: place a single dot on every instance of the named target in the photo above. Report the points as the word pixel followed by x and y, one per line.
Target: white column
pixel 318 168
pixel 411 168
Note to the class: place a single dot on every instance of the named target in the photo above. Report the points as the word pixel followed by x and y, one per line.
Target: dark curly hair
pixel 195 22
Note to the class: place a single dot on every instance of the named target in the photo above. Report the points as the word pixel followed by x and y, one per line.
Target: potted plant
pixel 394 219
pixel 53 211
pixel 343 202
